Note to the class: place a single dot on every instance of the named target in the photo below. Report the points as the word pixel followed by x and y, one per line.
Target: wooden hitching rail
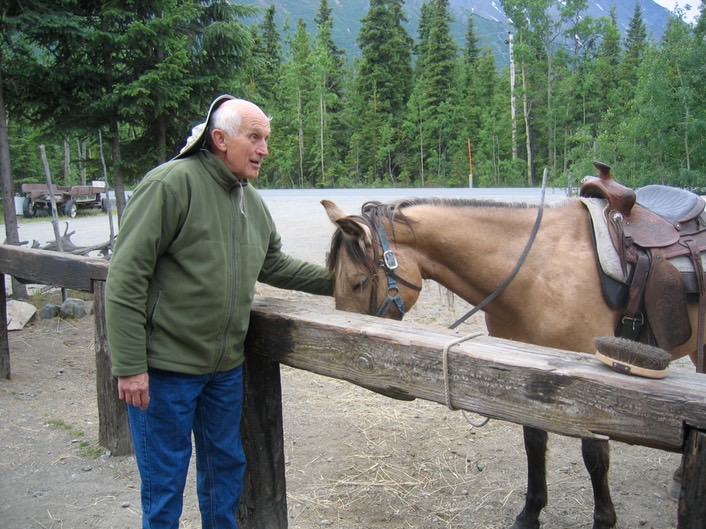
pixel 558 391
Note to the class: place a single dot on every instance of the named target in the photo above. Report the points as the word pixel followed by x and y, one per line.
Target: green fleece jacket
pixel 193 242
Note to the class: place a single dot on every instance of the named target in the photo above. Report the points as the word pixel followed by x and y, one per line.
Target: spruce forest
pixel 113 88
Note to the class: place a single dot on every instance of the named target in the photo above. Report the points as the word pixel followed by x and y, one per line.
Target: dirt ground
pixel 354 459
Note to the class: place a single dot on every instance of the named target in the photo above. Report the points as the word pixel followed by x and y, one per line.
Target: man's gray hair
pixel 227 119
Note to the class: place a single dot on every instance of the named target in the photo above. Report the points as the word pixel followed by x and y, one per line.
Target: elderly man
pixel 194 239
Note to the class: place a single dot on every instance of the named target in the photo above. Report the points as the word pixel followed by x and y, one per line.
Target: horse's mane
pixel 373 210
pixel 393 210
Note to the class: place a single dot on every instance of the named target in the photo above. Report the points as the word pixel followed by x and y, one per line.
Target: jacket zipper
pixel 225 341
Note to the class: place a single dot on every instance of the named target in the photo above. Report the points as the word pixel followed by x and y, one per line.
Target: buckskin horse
pixel 560 291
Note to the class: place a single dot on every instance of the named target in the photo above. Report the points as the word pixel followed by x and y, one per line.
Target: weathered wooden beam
pixel 46 267
pixel 566 393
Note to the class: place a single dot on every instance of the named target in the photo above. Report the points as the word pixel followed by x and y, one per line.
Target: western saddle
pixel 650 230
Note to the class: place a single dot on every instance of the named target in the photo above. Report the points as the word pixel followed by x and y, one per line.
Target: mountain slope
pixel 491 24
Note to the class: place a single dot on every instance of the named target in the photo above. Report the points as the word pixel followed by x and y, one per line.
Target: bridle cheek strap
pixel 389 263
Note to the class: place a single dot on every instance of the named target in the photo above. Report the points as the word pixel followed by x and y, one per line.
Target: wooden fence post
pixel 113 427
pixel 4 344
pixel 264 501
pixel 692 500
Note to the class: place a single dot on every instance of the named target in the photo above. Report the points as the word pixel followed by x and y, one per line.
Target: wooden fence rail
pixel 562 392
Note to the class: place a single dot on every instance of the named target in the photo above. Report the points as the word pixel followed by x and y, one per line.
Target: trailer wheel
pixel 27 209
pixel 70 209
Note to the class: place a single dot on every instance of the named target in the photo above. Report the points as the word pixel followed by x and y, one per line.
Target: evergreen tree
pixel 441 58
pixel 533 47
pixel 385 67
pixel 700 28
pixel 635 47
pixel 606 66
pixel 297 127
pixel 578 91
pixel 471 51
pixel 440 90
pixel 8 30
pixel 421 47
pixel 383 84
pixel 268 57
pixel 475 92
pixel 266 82
pixel 471 81
pixel 329 66
pixel 324 25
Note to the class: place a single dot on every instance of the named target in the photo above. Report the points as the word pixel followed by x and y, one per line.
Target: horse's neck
pixel 471 250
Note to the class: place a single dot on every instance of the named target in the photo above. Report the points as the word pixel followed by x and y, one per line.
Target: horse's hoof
pixel 524 524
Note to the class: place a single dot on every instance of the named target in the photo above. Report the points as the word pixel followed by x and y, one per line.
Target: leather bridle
pixel 388 261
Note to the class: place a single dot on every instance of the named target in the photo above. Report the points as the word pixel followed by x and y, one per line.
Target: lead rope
pixel 447 385
pixel 519 264
pixel 486 301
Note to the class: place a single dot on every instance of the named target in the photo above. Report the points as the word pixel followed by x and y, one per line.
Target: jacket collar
pixel 219 171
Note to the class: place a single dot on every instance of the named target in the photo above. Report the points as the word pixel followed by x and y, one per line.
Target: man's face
pixel 244 152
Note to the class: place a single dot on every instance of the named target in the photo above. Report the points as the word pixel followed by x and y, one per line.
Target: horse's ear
pixel 350 226
pixel 355 230
pixel 333 211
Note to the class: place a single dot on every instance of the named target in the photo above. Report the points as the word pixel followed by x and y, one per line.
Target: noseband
pixel 389 263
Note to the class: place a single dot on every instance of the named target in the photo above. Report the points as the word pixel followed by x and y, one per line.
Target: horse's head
pixel 374 274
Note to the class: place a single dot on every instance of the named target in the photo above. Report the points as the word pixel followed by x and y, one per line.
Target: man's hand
pixel 135 390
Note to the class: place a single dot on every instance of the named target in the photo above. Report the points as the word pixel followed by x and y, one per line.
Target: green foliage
pixel 398 112
pixel 139 72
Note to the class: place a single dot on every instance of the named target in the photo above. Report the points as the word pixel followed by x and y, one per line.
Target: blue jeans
pixel 210 406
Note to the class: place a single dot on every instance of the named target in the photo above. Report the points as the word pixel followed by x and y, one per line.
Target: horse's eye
pixel 360 283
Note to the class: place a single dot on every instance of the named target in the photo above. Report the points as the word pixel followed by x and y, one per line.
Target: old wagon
pixel 68 199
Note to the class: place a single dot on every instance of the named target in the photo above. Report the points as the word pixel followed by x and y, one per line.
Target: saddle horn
pixel 603 170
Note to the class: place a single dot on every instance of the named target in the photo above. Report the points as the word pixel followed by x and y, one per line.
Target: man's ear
pixel 218 139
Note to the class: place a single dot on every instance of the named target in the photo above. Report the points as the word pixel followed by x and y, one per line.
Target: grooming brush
pixel 632 358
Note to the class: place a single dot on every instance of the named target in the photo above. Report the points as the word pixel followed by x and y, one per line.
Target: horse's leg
pixel 596 457
pixel 536 498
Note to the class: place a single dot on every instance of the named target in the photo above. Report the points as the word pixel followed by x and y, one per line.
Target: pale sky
pixel 691 15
